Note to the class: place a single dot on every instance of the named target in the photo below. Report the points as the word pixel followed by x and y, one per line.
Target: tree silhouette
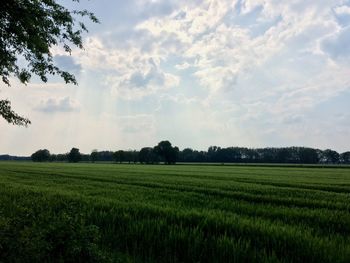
pixel 330 156
pixel 119 156
pixel 345 157
pixel 167 152
pixel 94 156
pixel 28 31
pixel 74 155
pixel 148 156
pixel 41 156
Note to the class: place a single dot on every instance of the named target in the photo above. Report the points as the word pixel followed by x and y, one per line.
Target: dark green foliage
pixel 148 156
pixel 345 157
pixel 127 213
pixel 167 152
pixel 106 156
pixel 308 155
pixel 35 228
pixel 119 156
pixel 74 155
pixel 297 155
pixel 164 152
pixel 7 157
pixel 10 116
pixel 28 31
pixel 189 155
pixel 131 156
pixel 61 157
pixel 330 156
pixel 94 156
pixel 41 156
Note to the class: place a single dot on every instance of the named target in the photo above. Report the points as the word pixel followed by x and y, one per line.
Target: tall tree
pixel 119 156
pixel 147 155
pixel 28 31
pixel 167 152
pixel 330 156
pixel 41 156
pixel 94 156
pixel 345 157
pixel 308 155
pixel 74 155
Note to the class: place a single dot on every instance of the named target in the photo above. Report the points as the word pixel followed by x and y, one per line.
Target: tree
pixel 53 157
pixel 330 156
pixel 148 156
pixel 345 157
pixel 134 156
pixel 74 155
pixel 119 156
pixel 167 152
pixel 41 156
pixel 186 155
pixel 62 157
pixel 308 155
pixel 213 152
pixel 28 31
pixel 10 116
pixel 94 156
pixel 130 156
pixel 283 155
pixel 106 156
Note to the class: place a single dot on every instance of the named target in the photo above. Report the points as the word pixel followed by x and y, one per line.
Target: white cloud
pixel 52 105
pixel 138 83
pixel 337 45
pixel 342 10
pixel 182 66
pixel 277 73
pixel 222 51
pixel 141 123
pixel 248 72
pixel 131 73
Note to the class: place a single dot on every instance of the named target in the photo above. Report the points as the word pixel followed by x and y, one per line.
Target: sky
pixel 253 73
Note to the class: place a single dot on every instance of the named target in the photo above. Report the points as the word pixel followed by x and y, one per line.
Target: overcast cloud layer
pixel 249 73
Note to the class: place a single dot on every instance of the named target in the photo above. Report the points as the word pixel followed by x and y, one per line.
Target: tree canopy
pixel 165 153
pixel 148 156
pixel 28 31
pixel 94 155
pixel 74 155
pixel 41 156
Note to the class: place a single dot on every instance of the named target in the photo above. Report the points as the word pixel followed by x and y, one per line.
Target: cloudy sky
pixel 252 73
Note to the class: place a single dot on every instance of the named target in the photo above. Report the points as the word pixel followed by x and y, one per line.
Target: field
pixel 54 212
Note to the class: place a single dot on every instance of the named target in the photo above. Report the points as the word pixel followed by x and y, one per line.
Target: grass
pixel 56 212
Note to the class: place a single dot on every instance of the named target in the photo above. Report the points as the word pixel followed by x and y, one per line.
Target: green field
pixel 182 213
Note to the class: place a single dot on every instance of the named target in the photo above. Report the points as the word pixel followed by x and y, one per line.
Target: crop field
pixel 56 212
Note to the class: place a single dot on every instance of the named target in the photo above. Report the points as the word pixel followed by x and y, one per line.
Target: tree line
pixel 291 155
pixel 164 152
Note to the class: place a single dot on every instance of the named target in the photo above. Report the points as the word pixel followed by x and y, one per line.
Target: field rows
pixel 174 213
